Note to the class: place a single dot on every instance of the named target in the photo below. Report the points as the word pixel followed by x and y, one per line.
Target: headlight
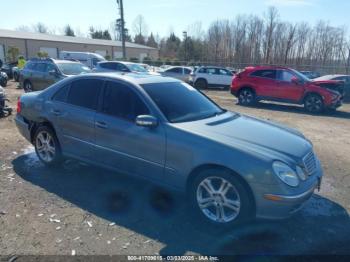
pixel 285 173
pixel 301 173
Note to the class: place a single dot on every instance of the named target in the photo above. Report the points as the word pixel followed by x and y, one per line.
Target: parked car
pixel 89 59
pixel 8 69
pixel 123 67
pixel 285 85
pixel 3 79
pixel 232 167
pixel 310 74
pixel 178 72
pixel 344 78
pixel 39 74
pixel 205 77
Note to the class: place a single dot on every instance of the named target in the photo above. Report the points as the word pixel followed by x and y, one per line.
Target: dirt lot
pixel 93 211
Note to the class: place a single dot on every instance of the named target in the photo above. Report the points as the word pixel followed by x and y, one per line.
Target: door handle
pixel 101 125
pixel 56 112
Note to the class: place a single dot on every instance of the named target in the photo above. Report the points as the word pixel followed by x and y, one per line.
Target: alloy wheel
pixel 314 104
pixel 45 146
pixel 246 97
pixel 218 199
pixel 28 87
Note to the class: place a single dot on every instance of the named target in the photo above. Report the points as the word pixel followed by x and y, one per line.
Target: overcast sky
pixel 162 16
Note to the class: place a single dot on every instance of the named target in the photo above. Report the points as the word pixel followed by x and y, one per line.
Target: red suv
pixel 286 85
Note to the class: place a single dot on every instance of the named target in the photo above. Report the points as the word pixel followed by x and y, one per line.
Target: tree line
pixel 242 41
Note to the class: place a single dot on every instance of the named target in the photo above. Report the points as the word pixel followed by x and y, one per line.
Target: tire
pixel 210 213
pixel 16 77
pixel 28 87
pixel 4 83
pixel 47 146
pixel 313 103
pixel 246 97
pixel 201 84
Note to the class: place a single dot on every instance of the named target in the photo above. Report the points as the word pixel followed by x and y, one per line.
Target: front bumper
pixel 23 127
pixel 280 206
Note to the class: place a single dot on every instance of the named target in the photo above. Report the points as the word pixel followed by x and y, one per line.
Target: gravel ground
pixel 83 210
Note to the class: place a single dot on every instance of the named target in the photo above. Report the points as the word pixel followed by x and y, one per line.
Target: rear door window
pixel 285 76
pixel 84 93
pixel 265 74
pixel 41 67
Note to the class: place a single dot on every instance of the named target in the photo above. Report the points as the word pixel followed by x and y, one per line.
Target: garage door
pixel 118 55
pixel 2 53
pixel 52 52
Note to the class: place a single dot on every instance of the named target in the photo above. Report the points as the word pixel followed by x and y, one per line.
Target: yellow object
pixel 21 63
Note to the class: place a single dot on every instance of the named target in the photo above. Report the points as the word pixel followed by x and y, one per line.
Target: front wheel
pixel 220 199
pixel 246 97
pixel 314 104
pixel 47 146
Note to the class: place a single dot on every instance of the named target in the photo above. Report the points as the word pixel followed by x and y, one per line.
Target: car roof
pixel 140 79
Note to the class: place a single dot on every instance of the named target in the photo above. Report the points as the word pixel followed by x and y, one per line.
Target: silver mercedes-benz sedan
pixel 231 166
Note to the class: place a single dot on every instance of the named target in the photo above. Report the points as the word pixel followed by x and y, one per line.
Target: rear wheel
pixel 313 103
pixel 220 199
pixel 28 87
pixel 47 146
pixel 246 97
pixel 201 84
pixel 16 76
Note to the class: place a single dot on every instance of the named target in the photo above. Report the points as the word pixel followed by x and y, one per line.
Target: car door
pixel 225 77
pixel 73 112
pixel 265 83
pixel 287 89
pixel 51 75
pixel 120 143
pixel 213 76
pixel 38 75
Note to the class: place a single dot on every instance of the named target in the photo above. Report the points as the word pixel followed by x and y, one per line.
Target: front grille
pixel 310 163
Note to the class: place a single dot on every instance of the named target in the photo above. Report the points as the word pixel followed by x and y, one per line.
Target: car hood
pixel 253 134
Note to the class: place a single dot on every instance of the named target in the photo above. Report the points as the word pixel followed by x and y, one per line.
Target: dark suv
pixel 39 74
pixel 286 85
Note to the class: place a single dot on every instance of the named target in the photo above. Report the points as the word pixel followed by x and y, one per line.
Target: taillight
pixel 19 108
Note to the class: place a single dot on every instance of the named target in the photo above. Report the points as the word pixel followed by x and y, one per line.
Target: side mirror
pixel 147 121
pixel 295 80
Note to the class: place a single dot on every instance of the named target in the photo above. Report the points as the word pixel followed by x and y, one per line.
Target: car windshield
pixel 180 102
pixel 301 76
pixel 137 68
pixel 73 68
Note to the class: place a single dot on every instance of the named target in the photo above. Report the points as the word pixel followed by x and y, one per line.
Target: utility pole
pixel 185 37
pixel 120 3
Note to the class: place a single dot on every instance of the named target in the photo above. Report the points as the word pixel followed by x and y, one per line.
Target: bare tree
pixel 140 26
pixel 40 28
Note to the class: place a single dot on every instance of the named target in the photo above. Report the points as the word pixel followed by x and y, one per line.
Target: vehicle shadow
pixel 323 227
pixel 299 110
